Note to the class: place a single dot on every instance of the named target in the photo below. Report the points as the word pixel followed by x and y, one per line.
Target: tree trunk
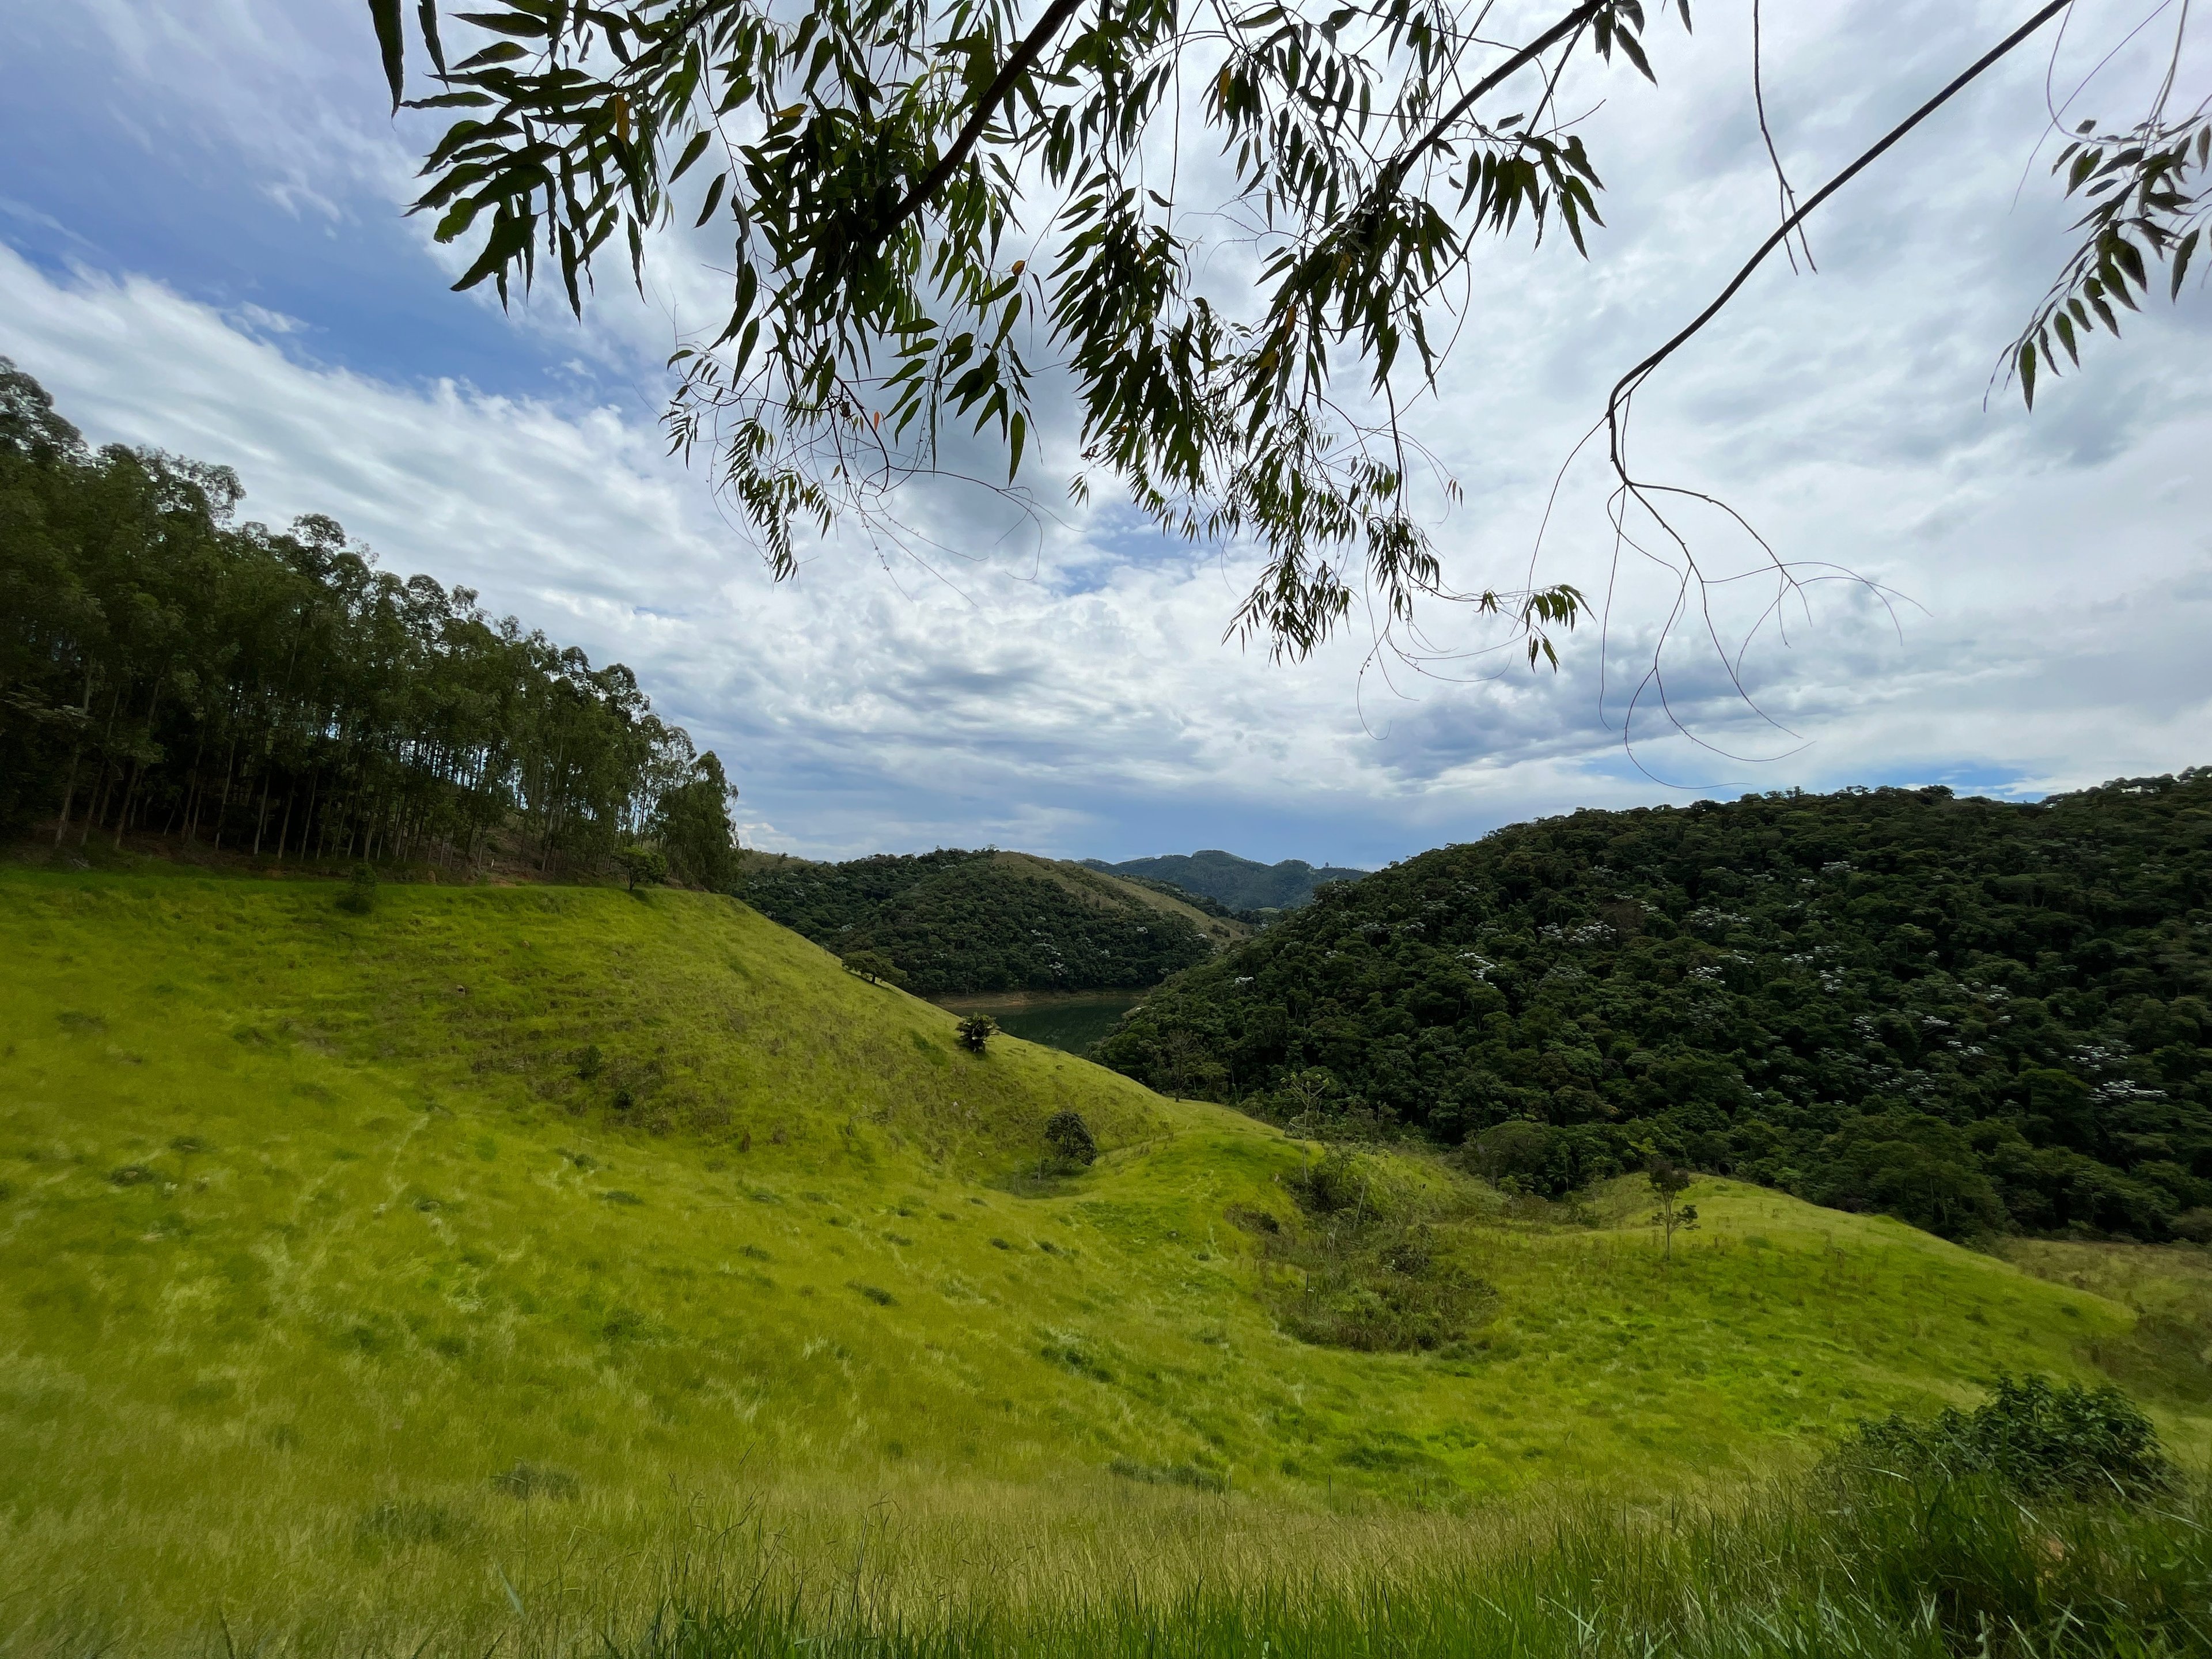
pixel 69 793
pixel 98 812
pixel 99 809
pixel 77 753
pixel 261 817
pixel 131 788
pixel 223 807
pixel 284 830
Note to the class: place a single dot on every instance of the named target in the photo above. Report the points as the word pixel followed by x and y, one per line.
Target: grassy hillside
pixel 1240 883
pixel 355 1270
pixel 954 922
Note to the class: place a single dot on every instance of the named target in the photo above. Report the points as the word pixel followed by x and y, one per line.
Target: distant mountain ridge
pixel 1240 883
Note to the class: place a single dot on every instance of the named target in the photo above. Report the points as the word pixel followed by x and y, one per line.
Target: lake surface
pixel 1070 1020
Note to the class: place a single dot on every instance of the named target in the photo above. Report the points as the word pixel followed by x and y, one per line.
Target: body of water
pixel 1070 1020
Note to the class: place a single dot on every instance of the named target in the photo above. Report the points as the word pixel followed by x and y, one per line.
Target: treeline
pixel 953 921
pixel 168 670
pixel 1971 1015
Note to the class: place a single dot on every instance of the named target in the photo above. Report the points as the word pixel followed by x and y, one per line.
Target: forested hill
pixel 1972 1015
pixel 953 921
pixel 1239 884
pixel 167 672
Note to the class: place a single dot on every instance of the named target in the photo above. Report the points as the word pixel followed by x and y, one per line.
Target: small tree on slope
pixel 1668 1183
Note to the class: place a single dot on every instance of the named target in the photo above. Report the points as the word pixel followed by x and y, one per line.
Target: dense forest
pixel 1972 1015
pixel 166 670
pixel 1241 885
pixel 952 920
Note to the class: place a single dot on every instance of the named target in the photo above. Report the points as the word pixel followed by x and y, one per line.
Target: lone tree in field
pixel 976 1032
pixel 1668 1183
pixel 873 967
pixel 875 166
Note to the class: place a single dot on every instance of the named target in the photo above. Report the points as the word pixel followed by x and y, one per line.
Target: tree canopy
pixel 1970 1014
pixel 953 921
pixel 876 164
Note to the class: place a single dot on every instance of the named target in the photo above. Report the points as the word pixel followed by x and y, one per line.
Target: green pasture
pixel 367 1272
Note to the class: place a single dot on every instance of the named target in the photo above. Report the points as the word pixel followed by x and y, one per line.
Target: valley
pixel 1074 1022
pixel 423 1249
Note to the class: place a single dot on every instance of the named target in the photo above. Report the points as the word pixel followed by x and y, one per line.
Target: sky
pixel 203 248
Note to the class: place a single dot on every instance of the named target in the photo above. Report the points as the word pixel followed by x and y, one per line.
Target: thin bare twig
pixel 1787 197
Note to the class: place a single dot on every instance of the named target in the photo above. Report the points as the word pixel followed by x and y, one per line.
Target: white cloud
pixel 1070 692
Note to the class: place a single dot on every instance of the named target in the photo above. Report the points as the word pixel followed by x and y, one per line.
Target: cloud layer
pixel 1068 691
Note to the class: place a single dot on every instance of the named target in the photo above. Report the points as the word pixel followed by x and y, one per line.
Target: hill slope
pixel 354 1265
pixel 1970 1014
pixel 1240 883
pixel 959 921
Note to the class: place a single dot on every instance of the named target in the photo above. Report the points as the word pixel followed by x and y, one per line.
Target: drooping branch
pixel 1625 387
pixel 1629 491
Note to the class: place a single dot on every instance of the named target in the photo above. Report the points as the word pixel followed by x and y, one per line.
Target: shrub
pixel 359 896
pixel 976 1032
pixel 1070 1138
pixel 1333 1184
pixel 642 866
pixel 2034 1438
pixel 1374 1289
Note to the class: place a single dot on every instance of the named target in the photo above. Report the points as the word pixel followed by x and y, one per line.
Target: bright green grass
pixel 327 1284
pixel 1849 1565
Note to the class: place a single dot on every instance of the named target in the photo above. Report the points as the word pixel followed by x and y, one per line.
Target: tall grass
pixel 1847 1563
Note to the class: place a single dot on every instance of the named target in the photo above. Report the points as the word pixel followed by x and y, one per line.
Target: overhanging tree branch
pixel 877 153
pixel 1625 387
pixel 1019 64
pixel 1577 19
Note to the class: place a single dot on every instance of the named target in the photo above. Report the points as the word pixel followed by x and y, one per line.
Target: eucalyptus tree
pixel 164 670
pixel 876 166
